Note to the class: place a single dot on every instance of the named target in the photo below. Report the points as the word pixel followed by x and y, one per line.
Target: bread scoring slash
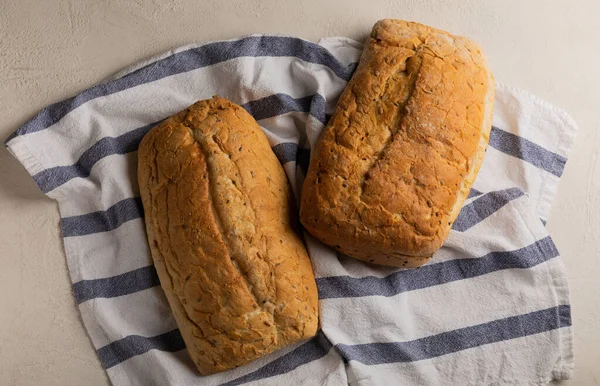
pixel 391 170
pixel 221 226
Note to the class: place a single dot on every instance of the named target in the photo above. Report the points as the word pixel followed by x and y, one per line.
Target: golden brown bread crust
pixel 220 223
pixel 396 161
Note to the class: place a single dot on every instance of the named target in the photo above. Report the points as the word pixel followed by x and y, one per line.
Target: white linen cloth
pixel 491 307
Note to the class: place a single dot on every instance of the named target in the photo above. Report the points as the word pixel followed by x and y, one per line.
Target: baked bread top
pixel 221 224
pixel 392 168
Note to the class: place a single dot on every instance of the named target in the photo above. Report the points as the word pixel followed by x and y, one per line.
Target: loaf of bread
pixel 396 161
pixel 222 229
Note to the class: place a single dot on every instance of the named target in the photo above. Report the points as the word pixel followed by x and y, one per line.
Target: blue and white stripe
pixel 497 284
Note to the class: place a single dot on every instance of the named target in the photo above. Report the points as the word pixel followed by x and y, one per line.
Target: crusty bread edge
pixel 486 127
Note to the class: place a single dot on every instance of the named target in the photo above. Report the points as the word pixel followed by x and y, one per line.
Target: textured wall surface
pixel 51 49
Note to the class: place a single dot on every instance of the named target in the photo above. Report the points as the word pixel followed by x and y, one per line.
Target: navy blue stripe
pixel 263 108
pixel 349 287
pixel 527 151
pixel 312 350
pixel 458 340
pixel 206 55
pixel 103 221
pixel 483 207
pixel 52 178
pixel 285 152
pixel 474 193
pixel 172 341
pixel 369 353
pixel 289 151
pixel 435 274
pixel 124 284
pixel 119 351
pixel 278 104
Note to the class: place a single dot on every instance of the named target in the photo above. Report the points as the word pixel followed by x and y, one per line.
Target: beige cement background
pixel 51 49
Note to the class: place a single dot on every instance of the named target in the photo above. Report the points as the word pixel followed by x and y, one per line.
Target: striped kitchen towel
pixel 491 307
